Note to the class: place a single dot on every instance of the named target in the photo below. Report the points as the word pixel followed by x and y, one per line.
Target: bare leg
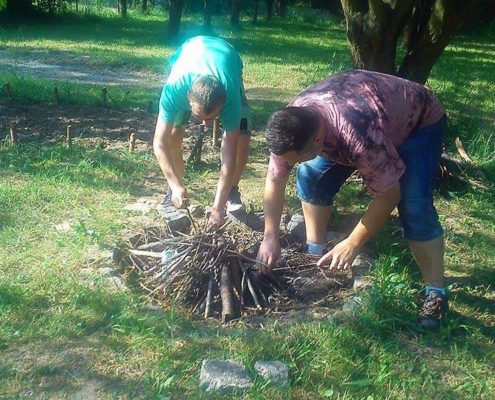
pixel 241 158
pixel 316 219
pixel 429 257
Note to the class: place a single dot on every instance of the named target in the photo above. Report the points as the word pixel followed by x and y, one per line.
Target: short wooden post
pixel 216 132
pixel 56 96
pixel 104 93
pixel 68 136
pixel 132 142
pixel 13 133
pixel 8 90
pixel 150 107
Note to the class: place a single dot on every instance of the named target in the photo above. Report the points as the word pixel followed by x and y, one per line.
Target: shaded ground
pixel 72 67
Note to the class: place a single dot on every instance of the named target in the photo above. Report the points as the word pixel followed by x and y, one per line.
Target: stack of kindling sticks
pixel 213 273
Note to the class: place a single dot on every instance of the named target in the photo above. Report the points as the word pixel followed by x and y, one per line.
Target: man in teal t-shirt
pixel 206 80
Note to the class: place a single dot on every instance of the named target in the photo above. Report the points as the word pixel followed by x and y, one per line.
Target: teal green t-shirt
pixel 204 55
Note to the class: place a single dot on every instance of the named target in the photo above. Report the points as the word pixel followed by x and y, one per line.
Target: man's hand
pixel 341 256
pixel 180 198
pixel 216 219
pixel 268 254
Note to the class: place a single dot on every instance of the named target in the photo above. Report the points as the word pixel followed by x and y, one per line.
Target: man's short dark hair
pixel 206 93
pixel 291 128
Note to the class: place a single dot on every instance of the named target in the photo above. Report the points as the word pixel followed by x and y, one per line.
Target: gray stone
pixel 64 227
pixel 143 205
pixel 224 376
pixel 95 254
pixel 297 227
pixel 274 371
pixel 106 271
pixel 353 304
pixel 175 220
pixel 117 283
pixel 361 282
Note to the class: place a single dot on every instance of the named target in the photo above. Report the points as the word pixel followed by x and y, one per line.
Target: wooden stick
pixel 68 135
pixel 13 133
pixel 465 157
pixel 104 92
pixel 132 142
pixel 8 90
pixel 151 254
pixel 230 310
pixel 216 132
pixel 56 96
pixel 150 107
pixel 209 298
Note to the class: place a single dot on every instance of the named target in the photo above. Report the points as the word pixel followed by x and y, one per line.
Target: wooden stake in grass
pixel 8 90
pixel 216 132
pixel 13 133
pixel 68 136
pixel 56 96
pixel 104 93
pixel 132 142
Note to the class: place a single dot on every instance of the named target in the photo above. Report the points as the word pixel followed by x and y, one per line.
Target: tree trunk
pixel 123 8
pixel 256 6
pixel 234 16
pixel 144 6
pixel 207 14
pixel 431 36
pixel 269 9
pixel 175 15
pixel 374 28
pixel 281 7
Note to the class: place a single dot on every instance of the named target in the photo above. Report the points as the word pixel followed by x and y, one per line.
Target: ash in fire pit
pixel 215 274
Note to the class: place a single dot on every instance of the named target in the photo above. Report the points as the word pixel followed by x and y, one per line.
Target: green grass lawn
pixel 62 328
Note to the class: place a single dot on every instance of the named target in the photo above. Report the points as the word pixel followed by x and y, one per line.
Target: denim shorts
pixel 319 180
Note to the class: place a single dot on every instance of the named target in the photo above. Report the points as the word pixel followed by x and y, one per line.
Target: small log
pixel 459 167
pixel 466 158
pixel 152 246
pixel 104 93
pixel 13 133
pixel 209 298
pixel 230 307
pixel 68 135
pixel 132 142
pixel 216 133
pixel 235 273
pixel 150 107
pixel 56 96
pixel 196 151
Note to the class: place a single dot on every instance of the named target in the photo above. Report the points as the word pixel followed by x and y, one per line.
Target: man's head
pixel 295 134
pixel 206 97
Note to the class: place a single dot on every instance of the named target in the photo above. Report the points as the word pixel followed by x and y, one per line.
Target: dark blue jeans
pixel 319 180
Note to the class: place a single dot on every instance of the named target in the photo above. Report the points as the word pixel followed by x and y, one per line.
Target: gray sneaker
pixel 234 202
pixel 433 310
pixel 166 205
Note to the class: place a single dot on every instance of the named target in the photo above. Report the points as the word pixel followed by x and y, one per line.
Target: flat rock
pixel 63 227
pixel 297 227
pixel 361 282
pixel 175 220
pixel 353 304
pixel 274 371
pixel 224 376
pixel 96 254
pixel 143 205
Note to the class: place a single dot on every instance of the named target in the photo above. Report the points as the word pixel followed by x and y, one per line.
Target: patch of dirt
pixel 73 67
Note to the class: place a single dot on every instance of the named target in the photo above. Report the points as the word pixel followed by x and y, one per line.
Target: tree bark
pixel 432 35
pixel 269 9
pixel 256 6
pixel 207 14
pixel 234 16
pixel 175 15
pixel 123 8
pixel 144 6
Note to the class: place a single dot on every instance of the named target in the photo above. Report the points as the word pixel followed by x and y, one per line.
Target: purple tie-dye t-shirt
pixel 367 116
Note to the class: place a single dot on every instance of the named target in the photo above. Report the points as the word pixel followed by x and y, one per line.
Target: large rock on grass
pixel 224 376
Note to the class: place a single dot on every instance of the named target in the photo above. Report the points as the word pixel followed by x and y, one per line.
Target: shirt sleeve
pixel 277 167
pixel 167 107
pixel 378 162
pixel 230 116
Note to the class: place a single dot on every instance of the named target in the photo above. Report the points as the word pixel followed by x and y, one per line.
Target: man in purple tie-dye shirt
pixel 389 130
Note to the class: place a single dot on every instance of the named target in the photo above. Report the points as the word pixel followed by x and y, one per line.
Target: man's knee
pixel 419 220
